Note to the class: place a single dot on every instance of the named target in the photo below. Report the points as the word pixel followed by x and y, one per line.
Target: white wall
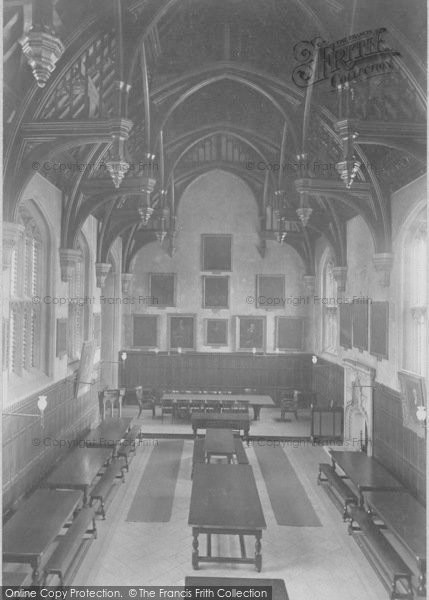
pixel 217 202
pixel 362 280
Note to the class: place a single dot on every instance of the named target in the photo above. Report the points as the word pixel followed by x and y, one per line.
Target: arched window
pixel 78 306
pixel 329 308
pixel 27 335
pixel 414 291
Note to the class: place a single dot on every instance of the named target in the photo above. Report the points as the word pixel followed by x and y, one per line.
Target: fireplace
pixel 358 402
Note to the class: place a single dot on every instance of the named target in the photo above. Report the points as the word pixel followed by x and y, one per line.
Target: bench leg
pixel 242 546
pixel 258 555
pixel 195 549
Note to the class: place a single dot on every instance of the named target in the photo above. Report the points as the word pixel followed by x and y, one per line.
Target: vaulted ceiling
pixel 215 84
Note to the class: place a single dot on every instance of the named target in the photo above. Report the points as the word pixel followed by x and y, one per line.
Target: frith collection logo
pixel 353 58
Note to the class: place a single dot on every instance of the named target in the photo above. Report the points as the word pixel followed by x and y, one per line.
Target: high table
pixel 406 519
pixel 225 501
pixel 364 472
pixel 79 469
pixel 219 442
pixel 237 421
pixel 256 401
pixel 108 434
pixel 36 524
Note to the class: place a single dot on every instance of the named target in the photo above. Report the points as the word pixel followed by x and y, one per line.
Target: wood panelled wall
pixel 216 371
pixel 401 450
pixel 29 451
pixel 328 383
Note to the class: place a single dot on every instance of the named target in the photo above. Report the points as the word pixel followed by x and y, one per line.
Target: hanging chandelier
pixel 42 49
pixel 284 220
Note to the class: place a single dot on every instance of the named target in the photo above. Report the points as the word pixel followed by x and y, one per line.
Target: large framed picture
pixel 216 332
pixel 379 329
pixel 270 291
pixel 289 333
pixel 61 342
pixel 215 291
pixel 145 331
pixel 250 334
pixel 162 288
pixel 413 395
pixel 360 325
pixel 216 252
pixel 346 317
pixel 181 332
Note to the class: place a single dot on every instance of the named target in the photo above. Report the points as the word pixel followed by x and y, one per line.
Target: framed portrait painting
pixel 145 331
pixel 250 334
pixel 413 395
pixel 162 288
pixel 215 291
pixel 216 252
pixel 216 332
pixel 181 332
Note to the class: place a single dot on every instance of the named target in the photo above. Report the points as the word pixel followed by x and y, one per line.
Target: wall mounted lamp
pixel 41 405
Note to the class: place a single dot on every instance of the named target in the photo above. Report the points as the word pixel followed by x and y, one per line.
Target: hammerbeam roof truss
pixel 210 86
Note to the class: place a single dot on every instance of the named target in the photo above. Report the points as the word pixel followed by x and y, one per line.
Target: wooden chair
pixel 212 406
pixel 289 404
pixel 182 409
pixel 146 400
pixel 167 408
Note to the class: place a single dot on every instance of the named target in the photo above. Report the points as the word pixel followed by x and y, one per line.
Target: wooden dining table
pixel 79 469
pixel 219 442
pixel 108 434
pixel 364 472
pixel 256 401
pixel 405 518
pixel 225 501
pixel 32 529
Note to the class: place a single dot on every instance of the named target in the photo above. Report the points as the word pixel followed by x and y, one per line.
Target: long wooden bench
pixel 240 452
pixel 198 454
pixel 128 445
pixel 343 494
pixel 382 556
pixel 105 484
pixel 68 547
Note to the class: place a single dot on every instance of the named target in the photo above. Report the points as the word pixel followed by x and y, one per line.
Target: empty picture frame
pixel 61 342
pixel 215 291
pixel 289 333
pixel 162 288
pixel 181 332
pixel 379 329
pixel 250 334
pixel 270 291
pixel 216 252
pixel 216 332
pixel 145 331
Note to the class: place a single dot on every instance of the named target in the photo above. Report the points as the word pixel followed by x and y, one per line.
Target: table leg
pixel 258 555
pixel 209 544
pixel 256 412
pixel 85 495
pixel 195 548
pixel 194 429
